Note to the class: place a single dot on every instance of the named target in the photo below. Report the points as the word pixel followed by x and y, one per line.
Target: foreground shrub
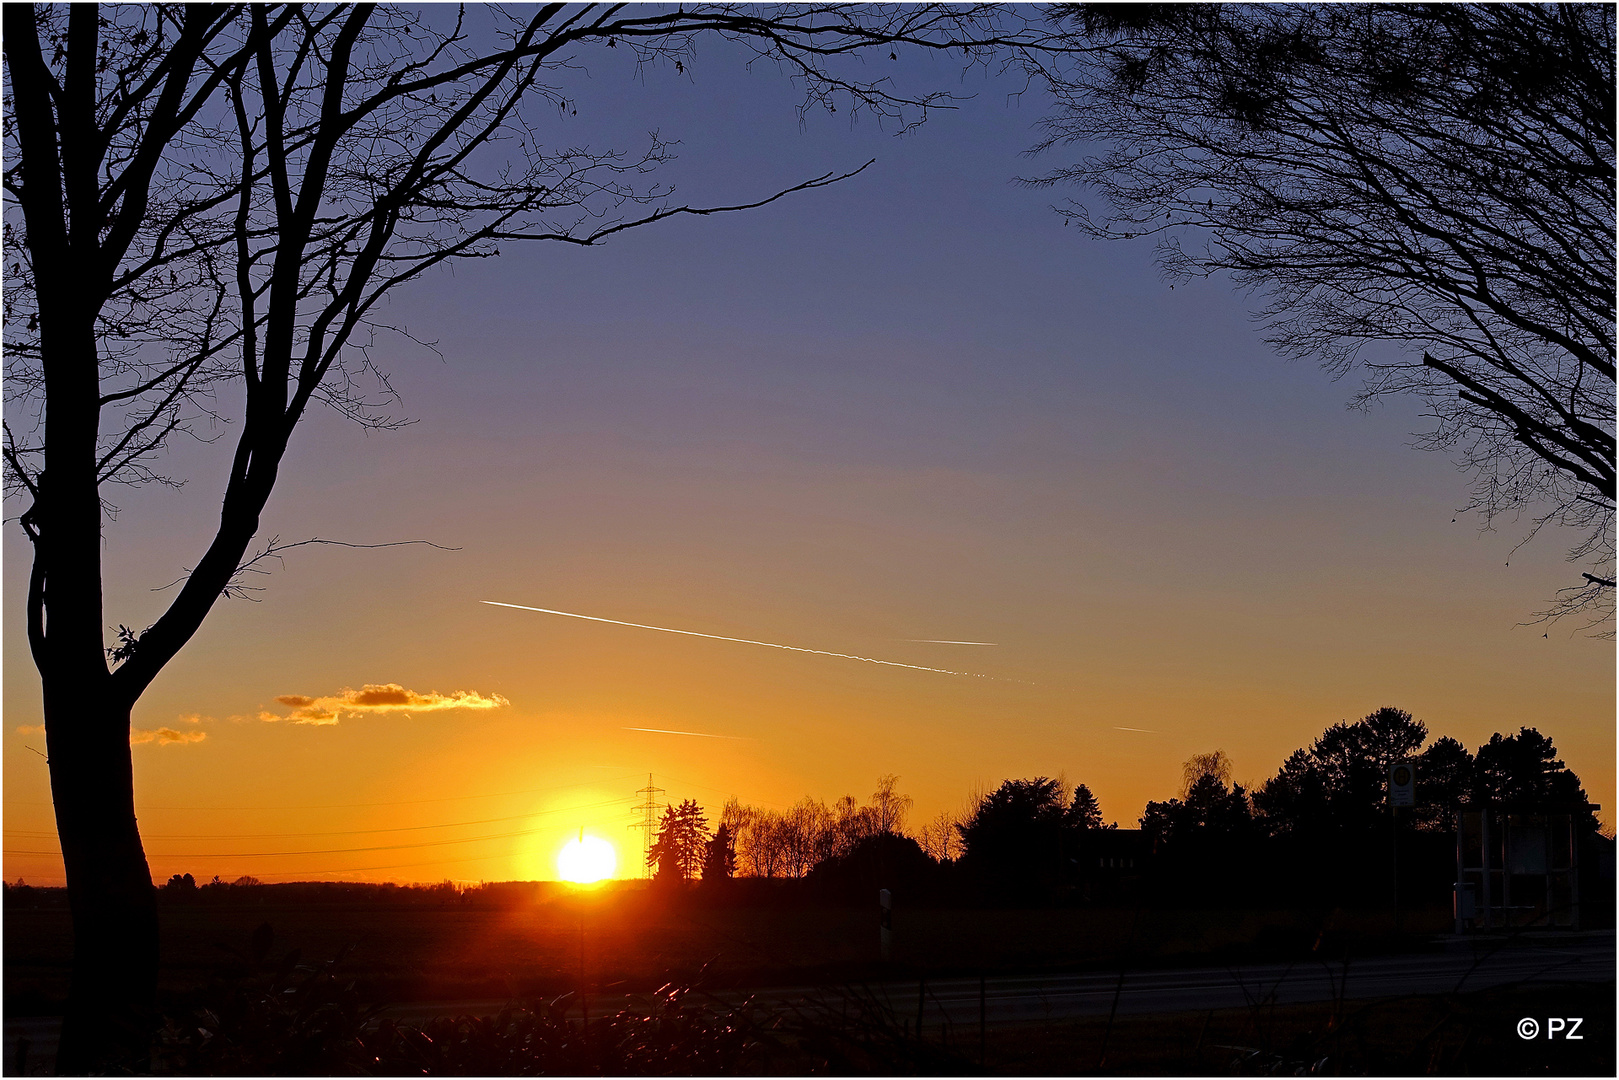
pixel 290 1018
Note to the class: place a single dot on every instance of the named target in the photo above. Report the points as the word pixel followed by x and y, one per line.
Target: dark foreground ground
pixel 547 941
pixel 1466 1034
pixel 1053 991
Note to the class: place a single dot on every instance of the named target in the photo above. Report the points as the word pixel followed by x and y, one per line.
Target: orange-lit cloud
pixel 162 736
pixel 374 698
pixel 165 736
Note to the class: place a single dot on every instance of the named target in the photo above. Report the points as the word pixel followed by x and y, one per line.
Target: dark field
pixel 451 956
pixel 546 940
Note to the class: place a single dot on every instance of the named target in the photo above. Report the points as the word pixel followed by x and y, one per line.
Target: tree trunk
pixel 111 1006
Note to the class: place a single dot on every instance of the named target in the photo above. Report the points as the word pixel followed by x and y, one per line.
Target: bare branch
pixel 1439 178
pixel 236 589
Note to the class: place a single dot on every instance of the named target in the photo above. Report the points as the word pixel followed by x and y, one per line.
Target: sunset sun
pixel 586 859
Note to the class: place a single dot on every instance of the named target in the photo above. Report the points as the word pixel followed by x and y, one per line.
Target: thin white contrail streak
pixel 740 641
pixel 696 734
pixel 1147 731
pixel 936 641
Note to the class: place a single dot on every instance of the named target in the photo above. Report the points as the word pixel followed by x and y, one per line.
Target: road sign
pixel 1402 784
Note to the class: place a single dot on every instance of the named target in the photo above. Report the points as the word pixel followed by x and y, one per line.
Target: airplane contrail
pixel 740 641
pixel 936 641
pixel 1146 731
pixel 697 734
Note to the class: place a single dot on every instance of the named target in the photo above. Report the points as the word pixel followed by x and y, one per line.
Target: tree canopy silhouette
pixel 1340 782
pixel 719 856
pixel 1084 812
pixel 1015 833
pixel 1444 783
pixel 1524 772
pixel 682 846
pixel 1435 177
pixel 1210 809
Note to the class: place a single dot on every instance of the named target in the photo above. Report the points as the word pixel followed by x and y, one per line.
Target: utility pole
pixel 647 808
pixel 885 932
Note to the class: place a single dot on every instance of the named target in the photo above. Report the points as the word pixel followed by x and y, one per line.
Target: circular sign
pixel 1402 775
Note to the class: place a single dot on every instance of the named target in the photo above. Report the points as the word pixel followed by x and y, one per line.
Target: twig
pixel 273 550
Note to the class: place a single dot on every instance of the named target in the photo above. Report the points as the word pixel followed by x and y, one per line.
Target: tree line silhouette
pixel 1320 828
pixel 751 841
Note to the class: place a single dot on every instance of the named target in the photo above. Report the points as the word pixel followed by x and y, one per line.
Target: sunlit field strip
pixel 303 874
pixel 390 866
pixel 360 869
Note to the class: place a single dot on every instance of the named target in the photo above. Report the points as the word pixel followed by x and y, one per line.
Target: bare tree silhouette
pixel 217 198
pixel 1439 177
pixel 1215 763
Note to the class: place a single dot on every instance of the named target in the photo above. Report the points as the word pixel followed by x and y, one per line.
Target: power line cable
pixel 336 832
pixel 721 791
pixel 390 866
pixel 352 806
pixel 339 851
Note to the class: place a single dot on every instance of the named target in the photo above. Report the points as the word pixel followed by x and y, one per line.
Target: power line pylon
pixel 646 809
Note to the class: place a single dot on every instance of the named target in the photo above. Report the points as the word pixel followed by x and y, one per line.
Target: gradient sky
pixel 909 406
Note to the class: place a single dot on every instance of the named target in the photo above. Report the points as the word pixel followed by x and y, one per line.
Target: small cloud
pixel 381 697
pixel 165 736
pixel 314 714
pixel 31 729
pixel 376 698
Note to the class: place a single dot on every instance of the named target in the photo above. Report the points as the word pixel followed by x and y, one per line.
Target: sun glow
pixel 587 859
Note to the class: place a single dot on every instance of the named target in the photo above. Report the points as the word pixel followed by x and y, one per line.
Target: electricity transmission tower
pixel 647 808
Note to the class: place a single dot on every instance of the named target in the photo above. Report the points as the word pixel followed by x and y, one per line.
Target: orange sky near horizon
pixel 519 727
pixel 903 409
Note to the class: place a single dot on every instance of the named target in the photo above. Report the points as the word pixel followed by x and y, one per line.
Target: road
pixel 1016 1000
pixel 1010 1000
pixel 1013 1000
